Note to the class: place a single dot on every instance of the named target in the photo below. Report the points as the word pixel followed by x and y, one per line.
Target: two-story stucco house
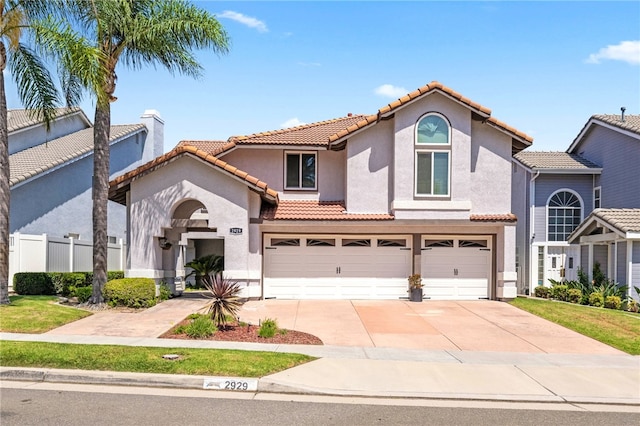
pixel 51 172
pixel 581 206
pixel 347 208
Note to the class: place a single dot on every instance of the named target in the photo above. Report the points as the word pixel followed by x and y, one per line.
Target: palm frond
pixel 35 86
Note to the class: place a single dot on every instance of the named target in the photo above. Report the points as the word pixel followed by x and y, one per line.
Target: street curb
pixel 265 385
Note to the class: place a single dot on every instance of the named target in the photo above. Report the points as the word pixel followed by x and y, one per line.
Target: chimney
pixel 154 145
pixel 623 109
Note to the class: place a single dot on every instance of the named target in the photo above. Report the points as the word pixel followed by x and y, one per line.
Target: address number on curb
pixel 230 384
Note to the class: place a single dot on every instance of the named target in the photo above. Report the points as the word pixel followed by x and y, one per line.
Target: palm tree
pixel 36 88
pixel 136 33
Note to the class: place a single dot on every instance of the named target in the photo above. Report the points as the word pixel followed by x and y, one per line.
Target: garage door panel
pixel 338 272
pixel 456 272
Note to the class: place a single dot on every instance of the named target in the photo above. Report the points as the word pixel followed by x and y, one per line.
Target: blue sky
pixel 541 67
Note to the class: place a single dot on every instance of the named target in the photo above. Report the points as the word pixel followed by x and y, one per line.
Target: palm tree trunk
pixel 101 129
pixel 5 189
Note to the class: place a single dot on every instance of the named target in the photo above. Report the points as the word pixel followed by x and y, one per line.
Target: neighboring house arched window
pixel 432 156
pixel 564 215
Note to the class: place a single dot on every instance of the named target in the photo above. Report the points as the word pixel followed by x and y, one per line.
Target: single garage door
pixel 336 266
pixel 456 268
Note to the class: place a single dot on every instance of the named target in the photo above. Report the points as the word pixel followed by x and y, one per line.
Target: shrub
pixel 541 291
pixel 33 283
pixel 131 292
pixel 165 292
pixel 632 306
pixel 200 327
pixel 64 282
pixel 83 293
pixel 613 302
pixel 596 299
pixel 225 301
pixel 268 328
pixel 574 295
pixel 559 292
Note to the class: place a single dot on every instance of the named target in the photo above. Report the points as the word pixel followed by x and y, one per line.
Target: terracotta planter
pixel 415 294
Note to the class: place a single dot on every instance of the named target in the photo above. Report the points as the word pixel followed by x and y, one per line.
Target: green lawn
pixel 147 359
pixel 36 314
pixel 615 328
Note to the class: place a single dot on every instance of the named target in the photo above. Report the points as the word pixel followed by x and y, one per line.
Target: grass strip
pixel 615 328
pixel 36 314
pixel 138 359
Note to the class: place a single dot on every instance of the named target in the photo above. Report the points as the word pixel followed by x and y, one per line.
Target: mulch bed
pixel 249 333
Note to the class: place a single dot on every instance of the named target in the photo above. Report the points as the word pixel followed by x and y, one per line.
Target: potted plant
pixel 415 288
pixel 204 266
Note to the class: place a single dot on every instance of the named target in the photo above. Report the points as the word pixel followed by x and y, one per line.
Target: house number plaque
pixel 235 231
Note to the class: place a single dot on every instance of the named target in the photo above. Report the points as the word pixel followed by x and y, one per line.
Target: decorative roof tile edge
pixel 125 179
pixel 433 86
pixel 506 217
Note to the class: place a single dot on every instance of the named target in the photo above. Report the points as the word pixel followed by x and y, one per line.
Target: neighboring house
pixel 581 206
pixel 347 208
pixel 51 172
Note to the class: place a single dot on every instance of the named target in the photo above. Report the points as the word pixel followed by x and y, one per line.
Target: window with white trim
pixel 596 197
pixel 564 215
pixel 300 170
pixel 432 156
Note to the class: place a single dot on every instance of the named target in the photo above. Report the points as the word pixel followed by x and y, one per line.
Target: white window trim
pixel 422 144
pixel 599 189
pixel 415 173
pixel 315 171
pixel 546 208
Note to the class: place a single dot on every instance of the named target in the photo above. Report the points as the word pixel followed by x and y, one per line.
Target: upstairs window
pixel 565 214
pixel 432 156
pixel 596 197
pixel 300 170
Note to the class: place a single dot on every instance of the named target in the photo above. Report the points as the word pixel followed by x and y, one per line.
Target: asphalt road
pixel 64 404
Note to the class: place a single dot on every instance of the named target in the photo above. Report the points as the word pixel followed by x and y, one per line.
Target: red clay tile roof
pixel 211 147
pixel 508 217
pixel 315 210
pixel 314 134
pixel 119 186
pixel 431 87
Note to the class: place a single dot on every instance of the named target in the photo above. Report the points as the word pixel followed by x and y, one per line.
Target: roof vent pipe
pixel 623 109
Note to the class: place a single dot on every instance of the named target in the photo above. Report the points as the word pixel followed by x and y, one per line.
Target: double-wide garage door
pixel 336 266
pixel 375 267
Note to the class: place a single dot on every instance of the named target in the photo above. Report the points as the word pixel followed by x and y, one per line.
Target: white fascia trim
pixel 633 236
pixel 431 205
pixel 73 160
pixel 594 171
pixel 593 122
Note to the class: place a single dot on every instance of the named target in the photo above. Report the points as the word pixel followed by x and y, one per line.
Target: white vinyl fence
pixel 41 253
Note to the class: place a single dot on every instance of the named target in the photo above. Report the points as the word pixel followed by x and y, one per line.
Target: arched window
pixel 564 213
pixel 432 156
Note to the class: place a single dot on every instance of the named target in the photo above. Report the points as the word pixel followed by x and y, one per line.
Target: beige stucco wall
pixel 229 202
pixel 267 164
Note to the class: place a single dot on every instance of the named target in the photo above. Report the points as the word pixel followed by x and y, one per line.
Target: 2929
pixel 235 385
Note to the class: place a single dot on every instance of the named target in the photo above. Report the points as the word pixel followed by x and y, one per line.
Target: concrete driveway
pixel 429 325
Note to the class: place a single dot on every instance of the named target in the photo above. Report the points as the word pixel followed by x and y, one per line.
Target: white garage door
pixel 456 268
pixel 336 266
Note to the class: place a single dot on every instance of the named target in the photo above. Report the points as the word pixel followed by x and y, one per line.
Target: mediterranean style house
pixel 581 207
pixel 346 208
pixel 51 172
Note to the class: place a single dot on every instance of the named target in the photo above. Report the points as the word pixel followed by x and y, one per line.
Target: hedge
pixel 131 292
pixel 50 283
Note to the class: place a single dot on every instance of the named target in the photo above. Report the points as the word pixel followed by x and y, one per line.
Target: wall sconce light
pixel 164 244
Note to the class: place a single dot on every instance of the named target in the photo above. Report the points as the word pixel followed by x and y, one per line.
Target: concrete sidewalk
pixel 388 372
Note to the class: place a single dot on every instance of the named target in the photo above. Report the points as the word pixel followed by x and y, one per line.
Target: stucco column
pixel 506 287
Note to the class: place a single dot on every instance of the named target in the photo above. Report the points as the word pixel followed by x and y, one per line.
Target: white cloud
pixel 292 122
pixel 249 21
pixel 390 91
pixel 626 51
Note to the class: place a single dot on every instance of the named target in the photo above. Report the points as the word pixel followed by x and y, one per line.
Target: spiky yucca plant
pixel 224 298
